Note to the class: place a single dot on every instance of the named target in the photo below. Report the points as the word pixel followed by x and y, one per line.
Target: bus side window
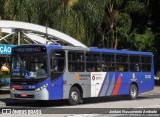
pixel 76 61
pixel 57 63
pixel 135 65
pixel 122 62
pixel 120 68
pixel 93 62
pixel 146 63
pixel 108 62
pixel 99 67
pixel 54 66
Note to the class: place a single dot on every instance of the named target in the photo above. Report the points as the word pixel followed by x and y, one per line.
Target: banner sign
pixel 6 49
pixel 136 112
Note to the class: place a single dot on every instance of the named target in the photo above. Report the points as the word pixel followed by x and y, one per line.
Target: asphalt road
pixel 92 105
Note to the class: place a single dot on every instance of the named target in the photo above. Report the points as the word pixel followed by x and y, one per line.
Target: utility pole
pixel 19 37
pixel 0 30
pixel 46 34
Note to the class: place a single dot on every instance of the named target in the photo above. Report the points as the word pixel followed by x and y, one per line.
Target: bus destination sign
pixel 28 49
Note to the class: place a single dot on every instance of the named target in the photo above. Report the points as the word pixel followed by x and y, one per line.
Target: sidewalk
pixel 5 88
pixel 4 95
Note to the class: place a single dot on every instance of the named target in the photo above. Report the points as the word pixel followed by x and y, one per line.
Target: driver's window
pixel 57 63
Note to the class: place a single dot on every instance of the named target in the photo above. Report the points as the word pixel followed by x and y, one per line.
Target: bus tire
pixel 133 92
pixel 74 96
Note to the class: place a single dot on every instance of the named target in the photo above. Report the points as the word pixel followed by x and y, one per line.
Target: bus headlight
pixel 41 88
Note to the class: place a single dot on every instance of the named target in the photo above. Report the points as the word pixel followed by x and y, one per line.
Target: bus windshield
pixel 29 66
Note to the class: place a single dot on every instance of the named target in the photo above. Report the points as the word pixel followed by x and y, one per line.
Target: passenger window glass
pixel 57 63
pixel 146 63
pixel 135 65
pixel 121 63
pixel 93 62
pixel 108 62
pixel 76 61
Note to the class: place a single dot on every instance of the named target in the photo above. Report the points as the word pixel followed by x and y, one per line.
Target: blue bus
pixel 55 72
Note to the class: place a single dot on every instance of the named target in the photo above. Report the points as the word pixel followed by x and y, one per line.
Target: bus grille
pixel 19 96
pixel 26 81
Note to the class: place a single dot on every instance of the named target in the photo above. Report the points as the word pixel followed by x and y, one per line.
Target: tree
pixel 110 25
pixel 1 9
pixel 143 42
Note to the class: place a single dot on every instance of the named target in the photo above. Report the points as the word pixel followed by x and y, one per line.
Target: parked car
pixel 157 80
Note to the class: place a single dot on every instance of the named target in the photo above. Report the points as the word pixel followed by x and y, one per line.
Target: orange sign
pixel 77 76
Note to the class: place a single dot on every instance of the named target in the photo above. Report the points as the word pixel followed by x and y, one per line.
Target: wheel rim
pixel 133 92
pixel 74 96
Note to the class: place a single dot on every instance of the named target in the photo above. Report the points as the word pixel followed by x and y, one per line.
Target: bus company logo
pixel 93 77
pixel 6 111
pixel 133 76
pixel 147 76
pixel 82 76
pixel 97 77
pixel 23 111
pixel 77 76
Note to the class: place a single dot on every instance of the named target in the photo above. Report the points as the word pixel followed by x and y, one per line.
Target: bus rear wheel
pixel 133 92
pixel 74 96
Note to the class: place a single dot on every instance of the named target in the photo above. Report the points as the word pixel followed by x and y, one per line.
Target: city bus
pixel 55 72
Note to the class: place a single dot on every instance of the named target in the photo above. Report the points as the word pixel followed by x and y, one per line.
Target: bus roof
pixel 92 49
pixel 119 51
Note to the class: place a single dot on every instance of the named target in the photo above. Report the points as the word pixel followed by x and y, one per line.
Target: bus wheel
pixel 74 96
pixel 133 92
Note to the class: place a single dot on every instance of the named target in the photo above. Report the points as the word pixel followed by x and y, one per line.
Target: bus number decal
pixel 147 76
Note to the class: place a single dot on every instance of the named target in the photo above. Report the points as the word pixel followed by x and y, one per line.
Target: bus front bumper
pixel 30 95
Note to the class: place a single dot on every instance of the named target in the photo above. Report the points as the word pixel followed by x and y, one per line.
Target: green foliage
pixel 135 6
pixel 143 42
pixel 124 22
pixel 1 8
pixel 134 23
pixel 90 21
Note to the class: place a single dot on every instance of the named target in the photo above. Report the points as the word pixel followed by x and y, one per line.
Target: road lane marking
pixel 85 115
pixel 153 106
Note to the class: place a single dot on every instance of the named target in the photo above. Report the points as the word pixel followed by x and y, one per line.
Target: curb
pixel 2 104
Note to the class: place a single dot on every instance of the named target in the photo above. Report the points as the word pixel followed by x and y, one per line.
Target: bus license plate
pixel 23 95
